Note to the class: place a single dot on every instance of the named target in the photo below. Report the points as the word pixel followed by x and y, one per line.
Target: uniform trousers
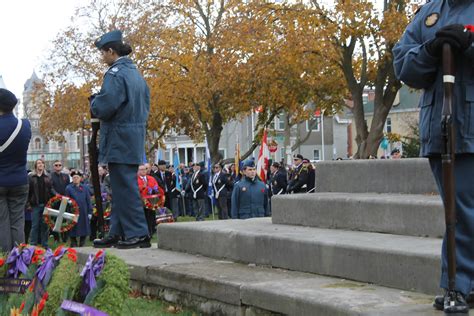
pixel 222 210
pixel 464 173
pixel 127 218
pixel 12 208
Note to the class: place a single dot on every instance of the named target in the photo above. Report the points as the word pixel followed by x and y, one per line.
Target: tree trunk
pixel 213 135
pixel 360 123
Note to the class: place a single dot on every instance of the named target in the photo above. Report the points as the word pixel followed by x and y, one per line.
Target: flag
pixel 144 158
pixel 237 158
pixel 176 169
pixel 209 172
pixel 263 157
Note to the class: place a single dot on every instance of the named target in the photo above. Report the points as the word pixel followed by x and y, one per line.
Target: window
pixel 37 144
pixel 365 98
pixel 53 145
pixel 278 124
pixel 316 154
pixel 388 125
pixel 222 152
pixel 315 123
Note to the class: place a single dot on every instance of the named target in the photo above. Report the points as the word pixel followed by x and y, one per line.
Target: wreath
pixel 164 215
pixel 71 207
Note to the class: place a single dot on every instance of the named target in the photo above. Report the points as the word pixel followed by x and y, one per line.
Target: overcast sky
pixel 27 28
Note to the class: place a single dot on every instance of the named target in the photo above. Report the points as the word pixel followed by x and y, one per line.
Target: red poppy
pixel 57 251
pixel 263 190
pixel 35 259
pixel 45 296
pixel 99 254
pixel 39 251
pixel 72 257
pixel 2 262
pixel 22 306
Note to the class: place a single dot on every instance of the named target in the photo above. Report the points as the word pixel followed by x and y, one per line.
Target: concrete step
pixel 408 176
pixel 402 214
pixel 226 288
pixel 402 262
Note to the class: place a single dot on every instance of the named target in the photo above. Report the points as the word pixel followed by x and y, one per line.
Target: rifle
pixel 447 161
pixel 94 167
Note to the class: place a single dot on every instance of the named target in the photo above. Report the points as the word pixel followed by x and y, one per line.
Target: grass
pixel 145 306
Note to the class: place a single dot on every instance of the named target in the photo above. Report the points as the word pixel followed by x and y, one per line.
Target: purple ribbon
pixel 91 270
pixel 19 261
pixel 50 262
pixel 81 309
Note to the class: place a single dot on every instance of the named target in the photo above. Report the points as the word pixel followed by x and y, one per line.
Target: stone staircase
pixel 367 243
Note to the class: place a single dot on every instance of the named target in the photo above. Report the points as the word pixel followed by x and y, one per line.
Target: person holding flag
pixel 263 157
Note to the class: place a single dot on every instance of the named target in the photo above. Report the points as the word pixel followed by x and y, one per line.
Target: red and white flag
pixel 263 157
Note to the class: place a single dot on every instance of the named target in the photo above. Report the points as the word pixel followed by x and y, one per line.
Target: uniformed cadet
pixel 278 181
pixel 249 198
pixel 122 105
pixel 197 190
pixel 417 60
pixel 298 182
pixel 219 187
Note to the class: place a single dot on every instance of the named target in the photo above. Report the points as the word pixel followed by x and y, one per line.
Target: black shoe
pixel 134 242
pixel 439 301
pixel 452 303
pixel 107 242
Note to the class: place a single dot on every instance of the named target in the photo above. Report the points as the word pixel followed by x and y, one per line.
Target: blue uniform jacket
pixel 122 105
pixel 81 195
pixel 418 69
pixel 249 199
pixel 13 159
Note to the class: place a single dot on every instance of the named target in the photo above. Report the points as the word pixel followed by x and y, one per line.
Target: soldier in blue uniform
pixel 417 60
pixel 122 105
pixel 278 181
pixel 249 198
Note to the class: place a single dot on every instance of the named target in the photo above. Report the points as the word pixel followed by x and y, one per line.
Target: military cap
pixel 298 156
pixel 7 100
pixel 305 160
pixel 395 151
pixel 76 173
pixel 113 36
pixel 248 164
pixel 161 163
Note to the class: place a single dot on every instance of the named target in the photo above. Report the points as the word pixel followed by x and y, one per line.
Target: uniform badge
pixel 296 178
pixel 274 182
pixel 219 181
pixel 197 181
pixel 244 189
pixel 431 19
pixel 115 69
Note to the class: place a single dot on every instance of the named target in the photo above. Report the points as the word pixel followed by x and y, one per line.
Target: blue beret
pixel 113 36
pixel 7 100
pixel 248 164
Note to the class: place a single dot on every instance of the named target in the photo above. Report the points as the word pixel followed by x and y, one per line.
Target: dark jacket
pixel 60 182
pixel 33 194
pixel 418 69
pixel 82 196
pixel 122 105
pixel 278 183
pixel 164 182
pixel 13 158
pixel 249 199
pixel 298 182
pixel 197 186
pixel 220 185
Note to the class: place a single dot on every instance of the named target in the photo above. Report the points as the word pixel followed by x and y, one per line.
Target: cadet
pixel 122 105
pixel 417 60
pixel 298 182
pixel 249 198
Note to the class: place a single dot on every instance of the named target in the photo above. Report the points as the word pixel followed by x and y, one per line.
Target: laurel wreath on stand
pixel 54 203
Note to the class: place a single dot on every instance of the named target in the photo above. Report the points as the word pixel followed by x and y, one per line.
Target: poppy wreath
pixel 54 203
pixel 164 215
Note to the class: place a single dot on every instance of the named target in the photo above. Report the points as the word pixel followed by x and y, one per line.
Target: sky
pixel 27 28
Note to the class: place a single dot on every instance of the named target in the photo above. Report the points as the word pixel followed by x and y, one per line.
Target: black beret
pixel 7 100
pixel 298 156
pixel 161 163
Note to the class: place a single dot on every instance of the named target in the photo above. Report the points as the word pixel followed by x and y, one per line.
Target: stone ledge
pixel 400 214
pixel 259 290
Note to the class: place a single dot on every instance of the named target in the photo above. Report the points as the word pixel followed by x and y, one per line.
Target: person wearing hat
pixel 197 190
pixel 277 181
pixel 311 176
pixel 15 135
pixel 164 179
pixel 219 188
pixel 122 105
pixel 250 197
pixel 298 182
pixel 395 154
pixel 80 193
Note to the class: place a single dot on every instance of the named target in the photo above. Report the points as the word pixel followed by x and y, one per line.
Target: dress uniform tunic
pixel 417 68
pixel 249 199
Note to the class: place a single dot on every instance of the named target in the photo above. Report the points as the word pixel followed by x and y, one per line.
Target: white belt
pixel 279 192
pixel 218 191
pixel 12 136
pixel 195 191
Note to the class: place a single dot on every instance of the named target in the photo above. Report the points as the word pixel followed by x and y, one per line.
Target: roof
pixel 407 99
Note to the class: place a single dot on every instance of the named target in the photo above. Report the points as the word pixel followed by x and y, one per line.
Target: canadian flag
pixel 263 157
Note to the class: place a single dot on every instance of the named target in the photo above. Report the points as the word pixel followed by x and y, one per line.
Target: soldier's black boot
pixel 455 304
pixel 439 301
pixel 107 242
pixel 73 242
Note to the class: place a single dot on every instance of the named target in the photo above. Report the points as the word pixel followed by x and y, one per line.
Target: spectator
pixel 395 154
pixel 81 194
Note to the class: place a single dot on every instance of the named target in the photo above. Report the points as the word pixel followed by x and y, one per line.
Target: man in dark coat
pixel 219 187
pixel 278 181
pixel 298 182
pixel 197 190
pixel 122 105
pixel 164 179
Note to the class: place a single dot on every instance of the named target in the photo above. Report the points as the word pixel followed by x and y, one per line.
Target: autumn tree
pixel 359 38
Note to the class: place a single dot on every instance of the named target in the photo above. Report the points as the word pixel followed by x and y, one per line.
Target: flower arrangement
pixel 54 203
pixel 164 215
pixel 103 283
